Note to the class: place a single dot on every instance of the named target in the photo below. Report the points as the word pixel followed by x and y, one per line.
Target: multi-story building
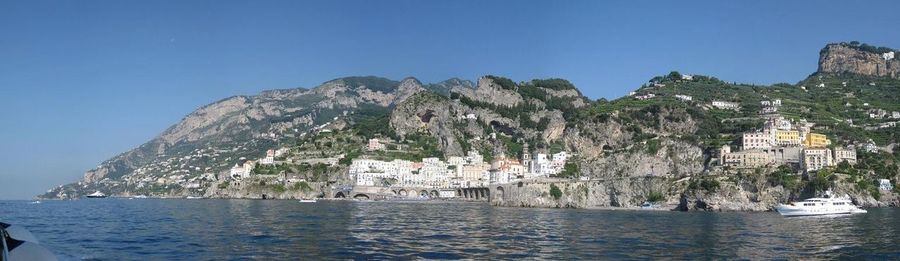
pixel 842 154
pixel 473 175
pixel 816 158
pixel 778 123
pixel 746 159
pixel 787 137
pixel 784 155
pixel 374 144
pixel 238 172
pixel 684 97
pixel 757 140
pixel 816 140
pixel 269 159
pixel 726 105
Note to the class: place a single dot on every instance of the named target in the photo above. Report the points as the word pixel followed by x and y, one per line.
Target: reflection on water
pixel 215 229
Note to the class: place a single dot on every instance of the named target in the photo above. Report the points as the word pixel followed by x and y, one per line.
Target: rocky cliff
pixel 624 151
pixel 859 59
pixel 218 135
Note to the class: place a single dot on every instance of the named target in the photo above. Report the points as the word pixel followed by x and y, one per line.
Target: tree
pixel 821 181
pixel 570 170
pixel 674 75
pixel 555 192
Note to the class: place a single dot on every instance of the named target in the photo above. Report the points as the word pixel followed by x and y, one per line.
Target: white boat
pixel 17 243
pixel 96 194
pixel 307 201
pixel 139 196
pixel 649 205
pixel 820 206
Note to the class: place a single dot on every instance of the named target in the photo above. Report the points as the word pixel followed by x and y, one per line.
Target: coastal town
pixel 469 171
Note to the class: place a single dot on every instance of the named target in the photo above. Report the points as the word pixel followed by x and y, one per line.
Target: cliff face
pixel 246 125
pixel 845 58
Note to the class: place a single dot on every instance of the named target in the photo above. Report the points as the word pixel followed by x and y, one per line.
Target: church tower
pixel 526 157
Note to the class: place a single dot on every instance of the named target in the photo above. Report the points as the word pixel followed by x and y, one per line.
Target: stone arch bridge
pixel 373 192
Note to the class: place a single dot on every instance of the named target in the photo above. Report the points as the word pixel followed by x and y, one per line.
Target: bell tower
pixel 526 156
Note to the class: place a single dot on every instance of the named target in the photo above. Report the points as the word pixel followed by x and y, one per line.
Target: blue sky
pixel 81 81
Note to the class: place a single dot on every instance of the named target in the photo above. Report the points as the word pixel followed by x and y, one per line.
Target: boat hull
pixel 791 211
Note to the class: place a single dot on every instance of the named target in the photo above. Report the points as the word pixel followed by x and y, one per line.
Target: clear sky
pixel 81 81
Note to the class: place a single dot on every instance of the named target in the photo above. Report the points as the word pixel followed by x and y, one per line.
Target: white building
pixel 375 144
pixel 645 96
pixel 887 55
pixel 885 184
pixel 757 140
pixel 726 105
pixel 684 97
pixel 871 147
pixel 816 159
pixel 242 171
pixel 269 159
pixel 237 171
pixel 687 77
pixel 506 170
pixel 842 154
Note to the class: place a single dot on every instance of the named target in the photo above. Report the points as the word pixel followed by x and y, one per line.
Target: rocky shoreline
pixel 631 192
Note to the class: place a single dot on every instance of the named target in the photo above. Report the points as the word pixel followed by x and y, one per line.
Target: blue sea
pixel 157 229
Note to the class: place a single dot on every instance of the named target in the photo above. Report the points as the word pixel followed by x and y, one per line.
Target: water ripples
pixel 252 229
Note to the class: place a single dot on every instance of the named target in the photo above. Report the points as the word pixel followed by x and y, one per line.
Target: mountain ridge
pixel 651 132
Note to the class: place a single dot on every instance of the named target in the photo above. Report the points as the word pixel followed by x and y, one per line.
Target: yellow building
pixel 815 140
pixel 787 137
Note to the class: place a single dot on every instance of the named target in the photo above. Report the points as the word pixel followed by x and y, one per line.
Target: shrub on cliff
pixel 655 197
pixel 784 177
pixel 555 192
pixel 570 170
pixel 708 184
pixel 302 186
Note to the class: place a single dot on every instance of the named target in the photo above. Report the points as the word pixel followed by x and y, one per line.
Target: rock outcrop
pixel 430 113
pixel 489 91
pixel 846 58
pixel 597 193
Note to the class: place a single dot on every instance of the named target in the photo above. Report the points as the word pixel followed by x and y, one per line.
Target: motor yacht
pixel 827 205
pixel 96 194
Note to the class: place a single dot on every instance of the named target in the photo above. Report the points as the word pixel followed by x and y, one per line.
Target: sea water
pixel 172 229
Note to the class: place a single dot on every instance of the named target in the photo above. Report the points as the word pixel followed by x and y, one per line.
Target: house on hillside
pixel 885 184
pixel 726 105
pixel 877 113
pixel 645 96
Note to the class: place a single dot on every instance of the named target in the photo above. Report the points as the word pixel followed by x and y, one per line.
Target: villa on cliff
pixel 782 142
